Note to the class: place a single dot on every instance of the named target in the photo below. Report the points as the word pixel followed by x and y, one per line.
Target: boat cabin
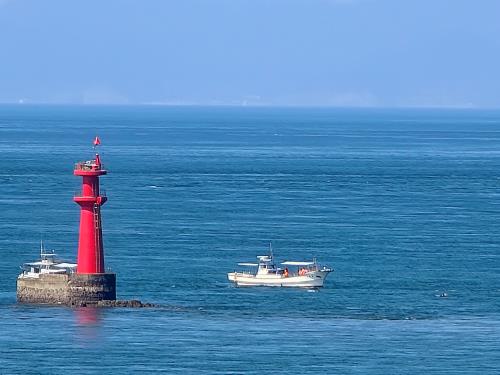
pixel 48 264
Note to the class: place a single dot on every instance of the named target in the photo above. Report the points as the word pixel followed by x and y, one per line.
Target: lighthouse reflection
pixel 88 316
pixel 88 321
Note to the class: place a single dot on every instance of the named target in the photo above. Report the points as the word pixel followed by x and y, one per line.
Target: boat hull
pixel 311 280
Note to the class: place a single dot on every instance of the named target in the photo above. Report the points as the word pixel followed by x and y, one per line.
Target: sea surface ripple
pixel 403 204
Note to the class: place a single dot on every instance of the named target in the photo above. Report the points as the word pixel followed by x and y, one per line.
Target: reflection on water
pixel 88 324
pixel 88 316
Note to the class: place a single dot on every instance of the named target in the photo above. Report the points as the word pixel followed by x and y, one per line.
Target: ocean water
pixel 403 204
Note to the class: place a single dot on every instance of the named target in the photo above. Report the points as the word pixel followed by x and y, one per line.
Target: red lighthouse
pixel 56 282
pixel 90 199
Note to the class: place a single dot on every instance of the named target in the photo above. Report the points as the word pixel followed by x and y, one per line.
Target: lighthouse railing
pixel 90 165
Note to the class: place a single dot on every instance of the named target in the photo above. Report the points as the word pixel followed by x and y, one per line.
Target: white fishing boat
pixel 291 274
pixel 48 264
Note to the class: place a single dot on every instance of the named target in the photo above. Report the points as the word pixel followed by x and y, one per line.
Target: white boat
pixel 48 264
pixel 300 274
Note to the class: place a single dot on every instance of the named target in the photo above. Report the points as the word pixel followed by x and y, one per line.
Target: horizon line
pixel 245 105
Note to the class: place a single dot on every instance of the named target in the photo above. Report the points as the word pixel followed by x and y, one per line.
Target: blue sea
pixel 403 204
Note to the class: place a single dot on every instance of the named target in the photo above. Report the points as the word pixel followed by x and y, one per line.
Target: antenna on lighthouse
pixel 97 142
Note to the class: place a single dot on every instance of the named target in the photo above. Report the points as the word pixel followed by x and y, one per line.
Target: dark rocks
pixel 125 303
pixel 116 303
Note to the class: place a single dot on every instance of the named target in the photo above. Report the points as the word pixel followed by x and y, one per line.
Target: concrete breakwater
pixel 67 289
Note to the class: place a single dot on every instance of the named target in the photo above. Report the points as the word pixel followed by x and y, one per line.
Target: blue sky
pixel 380 53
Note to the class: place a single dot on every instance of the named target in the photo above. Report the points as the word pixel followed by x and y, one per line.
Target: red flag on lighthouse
pixel 97 141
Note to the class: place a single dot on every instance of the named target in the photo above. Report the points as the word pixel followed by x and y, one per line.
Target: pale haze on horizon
pixel 345 53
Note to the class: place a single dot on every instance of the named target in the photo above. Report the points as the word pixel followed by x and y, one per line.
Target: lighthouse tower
pixel 58 282
pixel 90 245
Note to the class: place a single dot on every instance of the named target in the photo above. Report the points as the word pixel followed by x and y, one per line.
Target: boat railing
pixel 245 273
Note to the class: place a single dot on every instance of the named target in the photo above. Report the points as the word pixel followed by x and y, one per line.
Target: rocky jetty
pixel 113 303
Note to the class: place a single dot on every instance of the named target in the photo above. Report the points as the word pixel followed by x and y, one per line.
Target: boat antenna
pixel 271 249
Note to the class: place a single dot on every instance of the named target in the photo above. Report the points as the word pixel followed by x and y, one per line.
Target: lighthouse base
pixel 65 289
